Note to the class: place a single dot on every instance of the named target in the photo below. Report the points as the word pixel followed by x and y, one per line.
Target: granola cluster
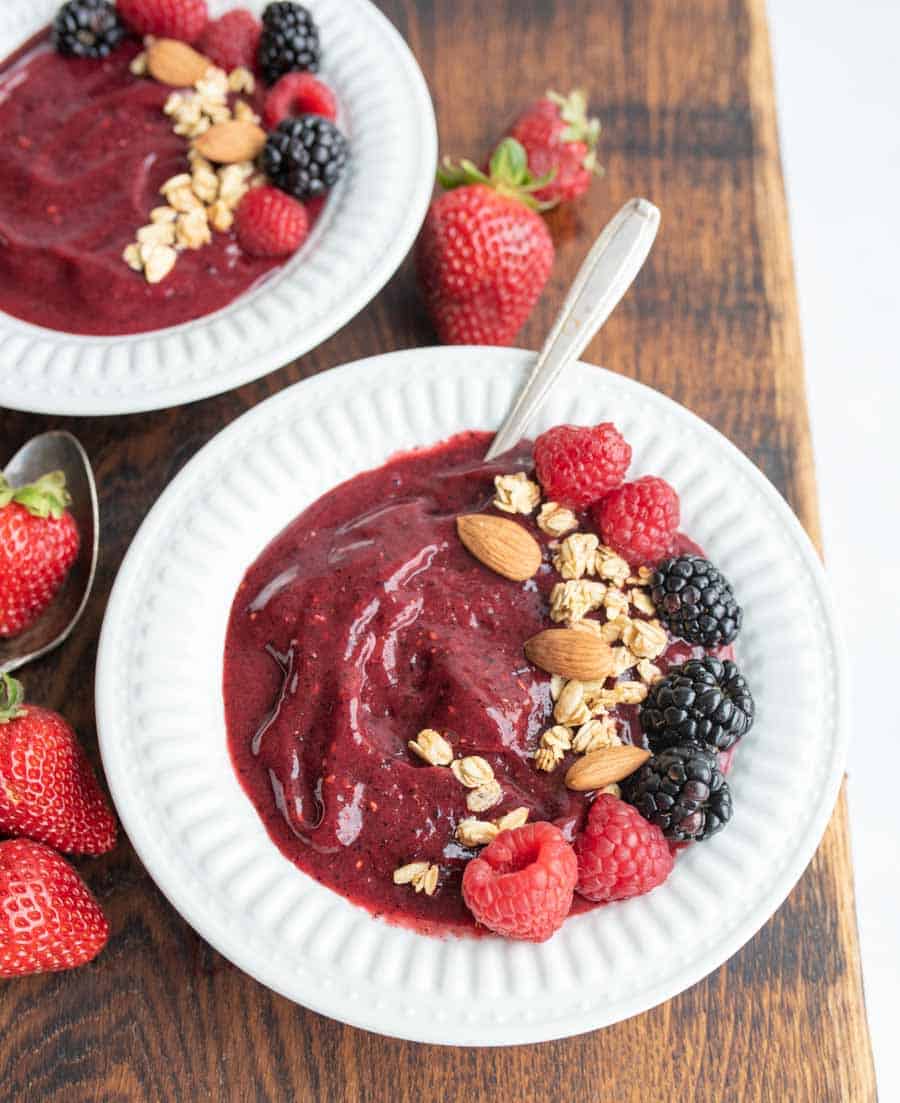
pixel 202 201
pixel 593 579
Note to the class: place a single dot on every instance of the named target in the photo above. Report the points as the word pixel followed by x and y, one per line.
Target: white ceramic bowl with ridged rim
pixel 162 729
pixel 366 229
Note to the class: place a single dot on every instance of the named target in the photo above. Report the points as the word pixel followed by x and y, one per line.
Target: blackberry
pixel 289 41
pixel 683 791
pixel 87 28
pixel 695 601
pixel 702 701
pixel 305 156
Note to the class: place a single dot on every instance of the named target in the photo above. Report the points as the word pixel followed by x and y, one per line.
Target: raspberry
pixel 639 520
pixel 576 465
pixel 620 854
pixel 232 40
pixel 521 885
pixel 298 94
pixel 270 223
pixel 183 19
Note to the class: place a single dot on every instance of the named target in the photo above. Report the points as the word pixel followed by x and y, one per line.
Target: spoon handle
pixel 604 277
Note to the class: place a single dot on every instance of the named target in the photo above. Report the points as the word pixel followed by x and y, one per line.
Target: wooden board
pixel 685 92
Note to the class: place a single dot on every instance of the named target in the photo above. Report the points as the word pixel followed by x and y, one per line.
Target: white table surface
pixel 837 68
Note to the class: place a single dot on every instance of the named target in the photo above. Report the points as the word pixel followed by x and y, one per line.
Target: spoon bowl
pixel 57 451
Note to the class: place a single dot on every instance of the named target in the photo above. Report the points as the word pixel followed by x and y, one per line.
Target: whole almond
pixel 172 62
pixel 603 767
pixel 572 653
pixel 231 142
pixel 500 544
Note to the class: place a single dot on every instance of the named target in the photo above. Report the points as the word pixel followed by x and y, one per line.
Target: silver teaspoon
pixel 604 277
pixel 57 451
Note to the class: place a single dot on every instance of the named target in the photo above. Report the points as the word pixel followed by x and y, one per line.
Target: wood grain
pixel 685 92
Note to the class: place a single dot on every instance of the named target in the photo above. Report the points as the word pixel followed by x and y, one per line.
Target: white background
pixel 837 69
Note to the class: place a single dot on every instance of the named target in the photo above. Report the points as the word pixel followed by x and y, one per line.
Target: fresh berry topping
pixel 232 40
pixel 521 884
pixel 576 465
pixel 87 28
pixel 298 94
pixel 38 545
pixel 48 918
pixel 619 853
pixel 289 42
pixel 305 156
pixel 48 791
pixel 182 19
pixel 269 223
pixel 560 141
pixel 639 520
pixel 702 701
pixel 695 601
pixel 682 791
pixel 484 254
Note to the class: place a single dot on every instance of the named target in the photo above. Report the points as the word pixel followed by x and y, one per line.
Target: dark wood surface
pixel 684 88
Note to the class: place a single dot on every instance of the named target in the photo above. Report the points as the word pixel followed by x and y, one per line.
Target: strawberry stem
pixel 508 174
pixel 12 696
pixel 579 127
pixel 47 497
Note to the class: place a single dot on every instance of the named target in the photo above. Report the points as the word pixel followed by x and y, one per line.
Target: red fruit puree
pixel 362 623
pixel 85 148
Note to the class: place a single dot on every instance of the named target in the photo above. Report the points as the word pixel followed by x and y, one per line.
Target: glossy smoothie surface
pixel 86 147
pixel 362 623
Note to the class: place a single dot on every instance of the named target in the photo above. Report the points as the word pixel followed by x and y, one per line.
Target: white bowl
pixel 162 726
pixel 368 225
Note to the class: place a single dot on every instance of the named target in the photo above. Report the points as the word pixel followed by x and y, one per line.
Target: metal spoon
pixel 57 451
pixel 604 277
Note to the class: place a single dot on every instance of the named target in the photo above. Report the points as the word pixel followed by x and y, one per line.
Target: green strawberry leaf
pixel 12 697
pixel 47 497
pixel 509 175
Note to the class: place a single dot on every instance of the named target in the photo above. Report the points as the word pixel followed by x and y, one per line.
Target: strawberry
pixel 183 19
pixel 49 919
pixel 484 254
pixel 38 545
pixel 48 790
pixel 270 223
pixel 560 141
pixel 232 40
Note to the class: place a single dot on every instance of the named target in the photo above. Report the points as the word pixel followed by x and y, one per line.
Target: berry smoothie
pixel 86 148
pixel 364 622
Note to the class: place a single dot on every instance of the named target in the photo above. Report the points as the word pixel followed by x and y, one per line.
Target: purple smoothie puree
pixel 364 622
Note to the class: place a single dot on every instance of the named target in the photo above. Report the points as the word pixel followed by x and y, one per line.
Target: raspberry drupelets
pixel 639 520
pixel 182 19
pixel 619 853
pixel 270 223
pixel 576 466
pixel 232 40
pixel 521 885
pixel 298 94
